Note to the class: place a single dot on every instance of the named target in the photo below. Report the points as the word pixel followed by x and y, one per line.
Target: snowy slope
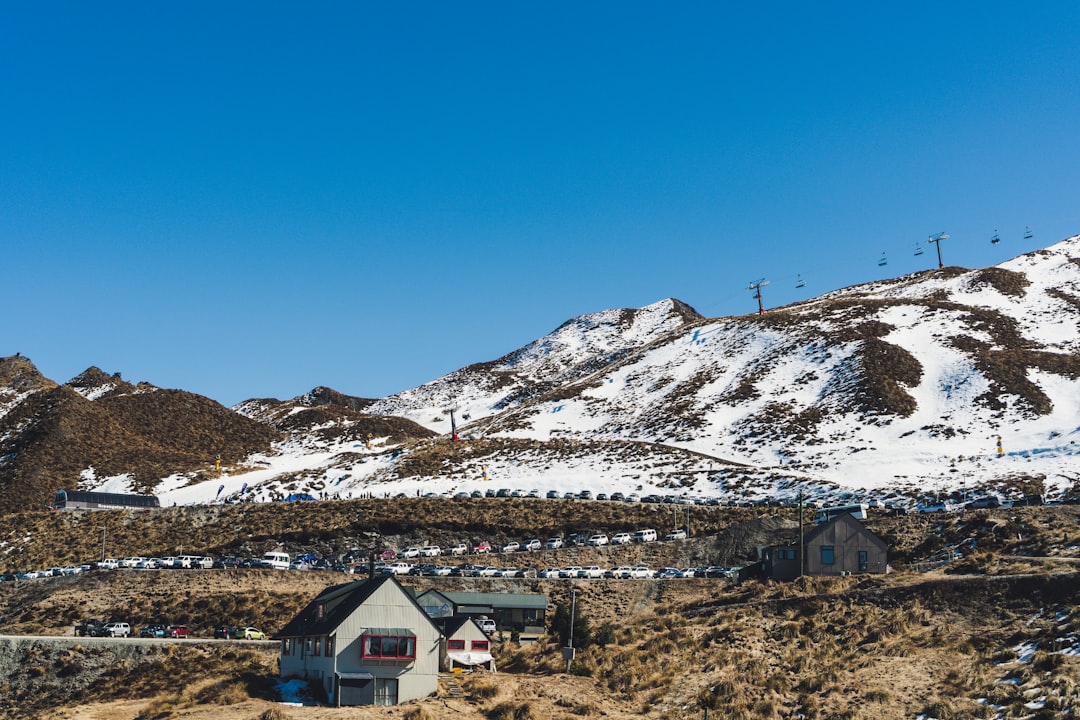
pixel 897 387
pixel 576 348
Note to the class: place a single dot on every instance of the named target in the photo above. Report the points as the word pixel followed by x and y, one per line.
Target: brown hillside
pixel 18 375
pixel 55 434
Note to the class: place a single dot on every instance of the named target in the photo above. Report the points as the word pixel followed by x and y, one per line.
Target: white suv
pixel 621 539
pixel 118 629
pixel 459 549
pixel 430 551
pixel 598 540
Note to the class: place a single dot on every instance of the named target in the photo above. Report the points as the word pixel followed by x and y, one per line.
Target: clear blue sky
pixel 250 199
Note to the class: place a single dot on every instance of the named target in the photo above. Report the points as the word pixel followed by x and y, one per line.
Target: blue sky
pixel 250 199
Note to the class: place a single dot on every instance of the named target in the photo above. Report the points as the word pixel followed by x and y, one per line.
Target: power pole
pixel 936 239
pixel 802 539
pixel 756 287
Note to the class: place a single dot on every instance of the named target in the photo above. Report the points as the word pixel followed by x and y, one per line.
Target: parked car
pixel 591 571
pixel 486 624
pixel 482 547
pixel 640 571
pixel 623 571
pixel 676 535
pixel 552 494
pixel 512 546
pixel 250 633
pixel 459 549
pixel 91 628
pixel 430 551
pixel 508 572
pixel 570 571
pixel 529 572
pixel 533 544
pixel 152 631
pixel 621 539
pixel 464 570
pixel 400 568
pixel 487 571
pixel 598 540
pixel 410 552
pixel 224 632
pixel 550 573
pixel 554 543
pixel 177 631
pixel 117 629
pixel 618 497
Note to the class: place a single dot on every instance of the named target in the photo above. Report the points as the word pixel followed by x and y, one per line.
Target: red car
pixel 482 547
pixel 177 631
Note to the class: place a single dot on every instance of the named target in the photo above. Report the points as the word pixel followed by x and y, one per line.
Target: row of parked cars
pixel 531 545
pixel 570 572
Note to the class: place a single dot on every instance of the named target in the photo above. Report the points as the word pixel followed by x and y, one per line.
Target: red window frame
pixel 481 645
pixel 455 645
pixel 388 647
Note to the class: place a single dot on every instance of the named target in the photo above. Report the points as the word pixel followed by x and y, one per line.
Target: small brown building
pixel 839 547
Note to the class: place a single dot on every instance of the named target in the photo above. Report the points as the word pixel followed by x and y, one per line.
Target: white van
pixel 118 629
pixel 276 560
pixel 642 536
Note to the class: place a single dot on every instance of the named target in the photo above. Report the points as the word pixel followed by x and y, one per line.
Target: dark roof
pixel 450 625
pixel 340 601
pixel 847 519
pixel 498 600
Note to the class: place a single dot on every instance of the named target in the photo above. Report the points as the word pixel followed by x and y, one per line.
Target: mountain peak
pixel 94 383
pixel 20 375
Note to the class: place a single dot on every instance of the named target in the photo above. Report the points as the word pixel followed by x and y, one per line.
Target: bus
pixel 824 515
pixel 79 500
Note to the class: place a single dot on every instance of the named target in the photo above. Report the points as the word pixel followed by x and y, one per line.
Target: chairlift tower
pixel 756 287
pixel 936 239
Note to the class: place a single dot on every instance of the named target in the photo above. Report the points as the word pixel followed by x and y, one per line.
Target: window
pixel 307 648
pixel 386 691
pixel 320 611
pixel 286 646
pixel 828 555
pixel 318 646
pixel 455 645
pixel 480 644
pixel 389 647
pixel 864 562
pixel 329 646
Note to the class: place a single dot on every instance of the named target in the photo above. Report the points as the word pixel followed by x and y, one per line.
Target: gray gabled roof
pixel 339 602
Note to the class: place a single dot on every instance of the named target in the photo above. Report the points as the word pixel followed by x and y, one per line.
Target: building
pixel 365 643
pixel 525 613
pixel 80 500
pixel 464 644
pixel 841 546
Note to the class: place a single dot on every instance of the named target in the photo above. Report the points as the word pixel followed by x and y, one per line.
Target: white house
pixel 464 644
pixel 366 643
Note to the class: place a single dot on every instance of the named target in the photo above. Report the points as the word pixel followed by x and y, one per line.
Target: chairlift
pixel 800 282
pixel 918 250
pixel 996 239
pixel 1028 234
pixel 883 261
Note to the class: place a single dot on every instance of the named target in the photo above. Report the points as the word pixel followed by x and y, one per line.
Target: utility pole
pixel 802 539
pixel 568 651
pixel 936 239
pixel 102 543
pixel 756 287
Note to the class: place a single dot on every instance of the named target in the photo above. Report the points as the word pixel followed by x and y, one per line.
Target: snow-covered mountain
pixel 896 387
pixel 576 349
